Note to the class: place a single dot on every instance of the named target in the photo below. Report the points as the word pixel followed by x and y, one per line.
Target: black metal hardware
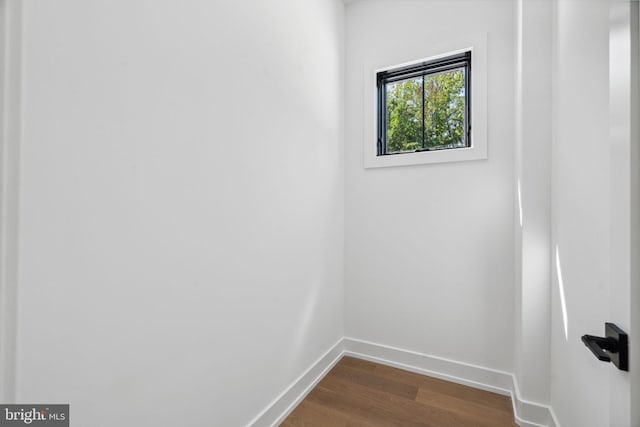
pixel 613 347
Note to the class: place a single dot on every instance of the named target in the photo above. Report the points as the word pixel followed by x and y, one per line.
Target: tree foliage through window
pixel 426 112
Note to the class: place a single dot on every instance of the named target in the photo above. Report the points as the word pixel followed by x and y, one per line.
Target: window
pixel 425 106
pixel 452 128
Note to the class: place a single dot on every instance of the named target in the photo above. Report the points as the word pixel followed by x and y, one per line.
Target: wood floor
pixel 361 393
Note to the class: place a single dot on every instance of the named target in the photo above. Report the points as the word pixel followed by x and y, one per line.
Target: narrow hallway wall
pixel 430 247
pixel 182 205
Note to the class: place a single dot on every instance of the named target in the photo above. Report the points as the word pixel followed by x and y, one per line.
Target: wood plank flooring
pixel 361 393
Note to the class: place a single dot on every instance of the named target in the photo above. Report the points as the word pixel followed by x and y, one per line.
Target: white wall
pixel 634 112
pixel 533 206
pixel 624 215
pixel 430 248
pixel 181 226
pixel 580 211
pixel 10 13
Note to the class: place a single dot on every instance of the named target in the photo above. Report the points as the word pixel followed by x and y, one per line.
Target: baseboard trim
pixel 526 413
pixel 286 402
pixel 433 366
pixel 553 419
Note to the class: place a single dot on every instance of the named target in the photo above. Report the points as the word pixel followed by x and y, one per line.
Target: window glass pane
pixel 404 115
pixel 444 109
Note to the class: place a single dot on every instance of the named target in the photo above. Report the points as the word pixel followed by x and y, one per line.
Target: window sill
pixel 426 157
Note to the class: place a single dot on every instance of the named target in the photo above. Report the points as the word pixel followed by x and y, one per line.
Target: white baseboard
pixel 438 367
pixel 286 402
pixel 553 420
pixel 527 413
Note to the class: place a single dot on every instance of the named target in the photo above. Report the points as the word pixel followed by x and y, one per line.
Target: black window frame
pixel 422 69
